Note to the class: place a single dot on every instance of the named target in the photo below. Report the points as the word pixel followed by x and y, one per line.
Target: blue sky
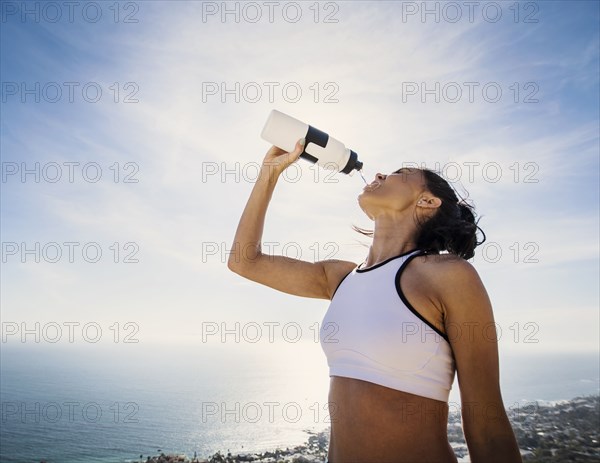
pixel 170 137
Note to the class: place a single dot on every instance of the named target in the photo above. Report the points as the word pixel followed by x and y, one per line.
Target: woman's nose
pixel 379 176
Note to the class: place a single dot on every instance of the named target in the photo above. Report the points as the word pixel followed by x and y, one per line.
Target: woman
pixel 391 365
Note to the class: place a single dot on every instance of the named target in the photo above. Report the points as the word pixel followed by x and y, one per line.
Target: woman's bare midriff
pixel 375 424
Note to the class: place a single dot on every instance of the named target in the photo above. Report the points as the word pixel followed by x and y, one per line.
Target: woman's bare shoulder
pixel 450 278
pixel 446 268
pixel 336 267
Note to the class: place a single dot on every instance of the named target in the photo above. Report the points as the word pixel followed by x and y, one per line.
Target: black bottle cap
pixel 353 163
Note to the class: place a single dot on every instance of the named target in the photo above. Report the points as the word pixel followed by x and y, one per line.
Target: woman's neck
pixel 390 239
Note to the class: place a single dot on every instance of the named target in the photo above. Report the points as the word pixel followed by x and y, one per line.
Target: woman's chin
pixel 363 200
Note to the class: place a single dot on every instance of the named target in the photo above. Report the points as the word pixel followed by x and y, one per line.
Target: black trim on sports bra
pixel 373 267
pixel 408 304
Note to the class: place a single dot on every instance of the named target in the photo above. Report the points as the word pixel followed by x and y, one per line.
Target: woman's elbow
pixel 241 266
pixel 234 264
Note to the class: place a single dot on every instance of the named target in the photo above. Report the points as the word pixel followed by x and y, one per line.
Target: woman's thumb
pixel 299 147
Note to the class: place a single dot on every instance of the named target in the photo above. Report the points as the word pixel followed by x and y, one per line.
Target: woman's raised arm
pixel 292 276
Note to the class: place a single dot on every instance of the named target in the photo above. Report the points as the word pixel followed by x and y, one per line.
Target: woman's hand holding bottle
pixel 277 160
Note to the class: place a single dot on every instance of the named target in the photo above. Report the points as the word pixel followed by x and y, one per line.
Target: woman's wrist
pixel 269 172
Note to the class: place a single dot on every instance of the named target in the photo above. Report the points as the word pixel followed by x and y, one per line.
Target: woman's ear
pixel 430 202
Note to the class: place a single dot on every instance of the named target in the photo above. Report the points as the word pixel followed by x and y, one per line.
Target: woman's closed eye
pixel 403 170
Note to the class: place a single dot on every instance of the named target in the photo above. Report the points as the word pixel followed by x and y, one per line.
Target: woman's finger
pixel 298 149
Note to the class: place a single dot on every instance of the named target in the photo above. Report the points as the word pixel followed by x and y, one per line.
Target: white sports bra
pixel 371 332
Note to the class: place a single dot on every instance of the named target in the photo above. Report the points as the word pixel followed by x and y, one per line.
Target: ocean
pixel 91 403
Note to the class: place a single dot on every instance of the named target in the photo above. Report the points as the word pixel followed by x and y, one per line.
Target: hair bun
pixel 466 212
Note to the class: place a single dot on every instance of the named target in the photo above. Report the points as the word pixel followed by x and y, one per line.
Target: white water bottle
pixel 284 131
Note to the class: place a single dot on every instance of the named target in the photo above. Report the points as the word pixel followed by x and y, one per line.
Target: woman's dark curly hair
pixel 452 228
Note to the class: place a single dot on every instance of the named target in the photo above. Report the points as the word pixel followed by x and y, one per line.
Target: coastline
pixel 547 431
